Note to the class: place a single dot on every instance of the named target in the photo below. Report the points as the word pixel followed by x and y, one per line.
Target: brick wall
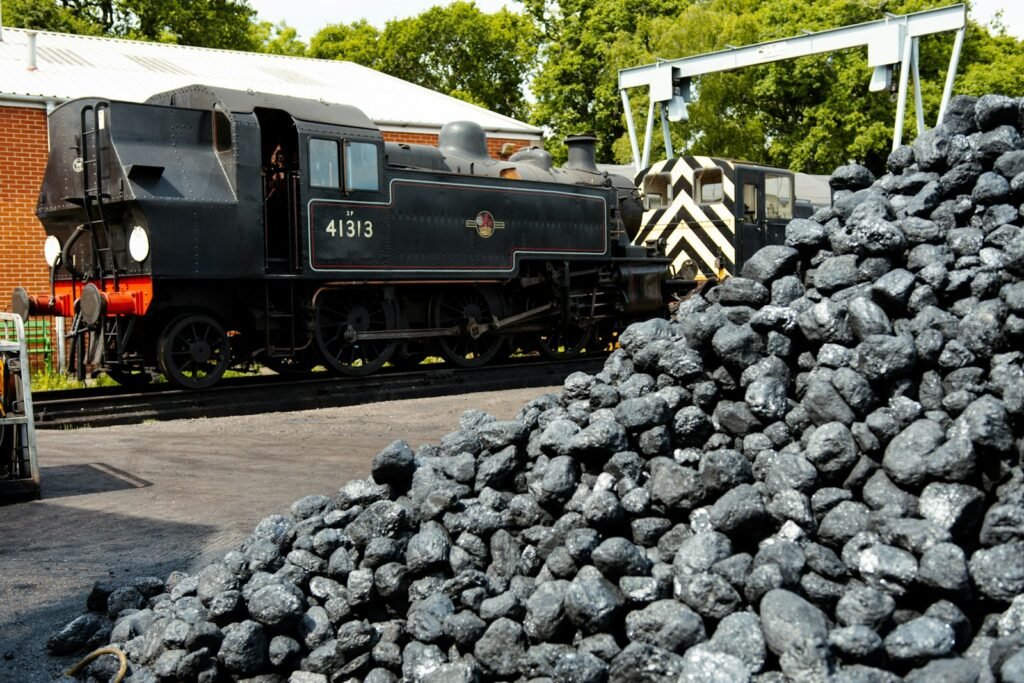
pixel 23 141
pixel 411 138
pixel 494 145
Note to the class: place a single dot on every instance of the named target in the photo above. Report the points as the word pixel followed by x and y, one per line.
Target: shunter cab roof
pixel 246 101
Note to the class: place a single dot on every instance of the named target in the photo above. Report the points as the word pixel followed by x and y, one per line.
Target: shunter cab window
pixel 324 164
pixel 657 190
pixel 709 186
pixel 749 203
pixel 778 196
pixel 361 164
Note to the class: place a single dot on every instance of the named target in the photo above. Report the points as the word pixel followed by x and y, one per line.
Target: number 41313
pixel 350 228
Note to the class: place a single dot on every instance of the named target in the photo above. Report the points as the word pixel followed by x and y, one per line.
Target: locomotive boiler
pixel 211 228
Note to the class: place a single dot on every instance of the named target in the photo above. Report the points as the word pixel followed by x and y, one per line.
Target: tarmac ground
pixel 146 499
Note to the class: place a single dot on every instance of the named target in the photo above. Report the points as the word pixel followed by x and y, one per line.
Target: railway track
pixel 98 407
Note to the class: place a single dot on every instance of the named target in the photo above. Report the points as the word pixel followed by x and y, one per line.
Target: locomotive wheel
pixel 337 312
pixel 563 342
pixel 194 351
pixel 462 307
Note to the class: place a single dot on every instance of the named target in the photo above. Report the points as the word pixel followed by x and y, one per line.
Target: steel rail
pixel 69 409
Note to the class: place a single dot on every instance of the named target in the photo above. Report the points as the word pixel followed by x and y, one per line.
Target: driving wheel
pixel 563 341
pixel 194 351
pixel 339 315
pixel 465 308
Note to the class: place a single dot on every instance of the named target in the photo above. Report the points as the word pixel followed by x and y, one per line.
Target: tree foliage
pixel 356 42
pixel 278 39
pixel 456 49
pixel 809 114
pixel 46 15
pixel 582 41
pixel 991 64
pixel 208 23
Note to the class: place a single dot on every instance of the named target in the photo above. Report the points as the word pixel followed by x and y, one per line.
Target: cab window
pixel 749 203
pixel 778 195
pixel 710 188
pixel 361 165
pixel 657 190
pixel 324 165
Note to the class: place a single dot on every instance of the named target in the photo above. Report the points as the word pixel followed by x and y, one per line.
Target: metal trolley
pixel 19 465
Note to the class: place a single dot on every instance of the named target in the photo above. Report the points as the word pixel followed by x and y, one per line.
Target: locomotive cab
pixel 713 214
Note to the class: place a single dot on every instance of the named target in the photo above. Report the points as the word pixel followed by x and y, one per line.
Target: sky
pixel 309 16
pixel 1013 14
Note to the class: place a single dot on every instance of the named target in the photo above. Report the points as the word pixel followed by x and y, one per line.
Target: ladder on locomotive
pixel 280 334
pixel 94 143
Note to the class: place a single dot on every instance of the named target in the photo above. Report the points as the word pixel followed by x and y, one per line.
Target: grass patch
pixel 56 381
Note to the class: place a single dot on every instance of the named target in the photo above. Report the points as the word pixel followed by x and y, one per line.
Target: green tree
pixel 456 49
pixel 575 87
pixel 46 15
pixel 809 114
pixel 355 42
pixel 278 39
pixel 720 121
pixel 206 23
pixel 991 64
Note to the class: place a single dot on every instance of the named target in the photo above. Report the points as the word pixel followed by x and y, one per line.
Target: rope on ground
pixel 121 671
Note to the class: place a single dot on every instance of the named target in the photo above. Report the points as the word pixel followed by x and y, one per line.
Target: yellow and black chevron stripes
pixel 702 233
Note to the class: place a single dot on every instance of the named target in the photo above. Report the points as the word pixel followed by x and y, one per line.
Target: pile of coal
pixel 812 473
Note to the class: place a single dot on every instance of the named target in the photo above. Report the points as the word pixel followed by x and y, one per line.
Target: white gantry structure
pixel 890 41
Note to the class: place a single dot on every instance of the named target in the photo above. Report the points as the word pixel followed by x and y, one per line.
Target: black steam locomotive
pixel 211 228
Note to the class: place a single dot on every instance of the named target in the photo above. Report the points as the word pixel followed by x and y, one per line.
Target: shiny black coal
pixel 812 473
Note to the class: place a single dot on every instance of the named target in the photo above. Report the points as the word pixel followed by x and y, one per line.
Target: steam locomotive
pixel 210 228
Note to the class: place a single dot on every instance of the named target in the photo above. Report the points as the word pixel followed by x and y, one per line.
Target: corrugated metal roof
pixel 71 66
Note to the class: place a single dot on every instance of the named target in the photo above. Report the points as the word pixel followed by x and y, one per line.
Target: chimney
pixel 581 153
pixel 31 50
